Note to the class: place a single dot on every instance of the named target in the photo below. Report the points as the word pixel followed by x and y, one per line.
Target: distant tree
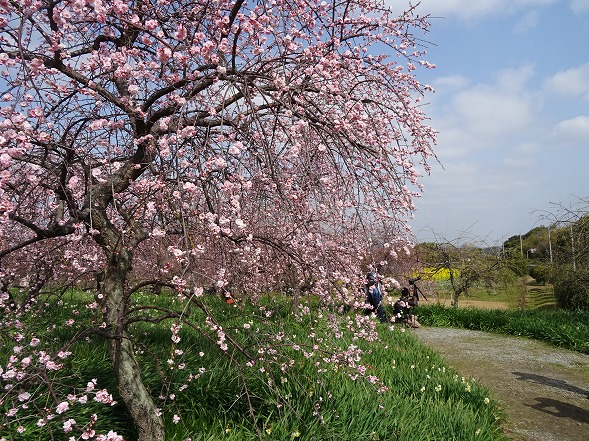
pixel 569 244
pixel 467 265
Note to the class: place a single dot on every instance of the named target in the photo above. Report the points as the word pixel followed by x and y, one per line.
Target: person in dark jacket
pixel 402 309
pixel 373 291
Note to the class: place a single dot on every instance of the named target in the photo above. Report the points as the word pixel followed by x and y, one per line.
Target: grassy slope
pixel 424 400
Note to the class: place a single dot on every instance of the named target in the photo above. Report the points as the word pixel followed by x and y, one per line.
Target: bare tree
pixel 467 265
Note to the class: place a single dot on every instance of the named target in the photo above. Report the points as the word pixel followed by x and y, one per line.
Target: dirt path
pixel 544 390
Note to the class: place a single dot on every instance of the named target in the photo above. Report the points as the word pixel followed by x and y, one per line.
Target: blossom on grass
pixel 68 425
pixel 62 407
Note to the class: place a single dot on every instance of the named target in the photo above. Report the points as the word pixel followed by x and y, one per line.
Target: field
pixel 526 294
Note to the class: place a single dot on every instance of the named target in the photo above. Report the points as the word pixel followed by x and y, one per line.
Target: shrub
pixel 540 273
pixel 571 289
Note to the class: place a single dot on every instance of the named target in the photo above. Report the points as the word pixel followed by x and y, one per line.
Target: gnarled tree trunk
pixel 133 391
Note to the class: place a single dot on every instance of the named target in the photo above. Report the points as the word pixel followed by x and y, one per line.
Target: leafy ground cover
pixel 566 329
pixel 302 398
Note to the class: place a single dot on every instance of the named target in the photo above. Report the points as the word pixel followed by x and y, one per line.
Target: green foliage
pixel 571 289
pixel 567 329
pixel 517 263
pixel 533 245
pixel 540 272
pixel 306 399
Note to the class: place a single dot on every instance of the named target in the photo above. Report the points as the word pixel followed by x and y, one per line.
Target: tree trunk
pixel 122 357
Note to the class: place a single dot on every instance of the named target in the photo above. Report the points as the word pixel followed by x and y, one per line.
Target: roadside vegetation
pixel 408 393
pixel 567 329
pixel 525 309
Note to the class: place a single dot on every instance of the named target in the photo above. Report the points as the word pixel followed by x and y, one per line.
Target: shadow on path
pixel 561 409
pixel 544 390
pixel 561 384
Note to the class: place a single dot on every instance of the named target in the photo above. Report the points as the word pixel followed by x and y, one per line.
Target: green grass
pixel 526 294
pixel 567 329
pixel 509 295
pixel 424 401
pixel 292 396
pixel 540 297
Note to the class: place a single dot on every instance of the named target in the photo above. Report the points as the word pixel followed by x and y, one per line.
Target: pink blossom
pixel 190 187
pixel 104 397
pixel 110 436
pixel 180 33
pixel 88 434
pixel 62 407
pixel 91 385
pixel 52 366
pixel 68 425
pixel 25 362
pixel 151 25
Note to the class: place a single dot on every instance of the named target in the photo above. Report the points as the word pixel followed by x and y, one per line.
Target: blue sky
pixel 512 108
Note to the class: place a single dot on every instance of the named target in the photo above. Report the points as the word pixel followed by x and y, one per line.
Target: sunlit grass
pixel 423 400
pixel 567 329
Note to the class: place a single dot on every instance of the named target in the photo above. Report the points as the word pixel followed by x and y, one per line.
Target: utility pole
pixel 550 245
pixel 573 250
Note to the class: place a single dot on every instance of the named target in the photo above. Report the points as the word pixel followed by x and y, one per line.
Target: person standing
pixel 373 290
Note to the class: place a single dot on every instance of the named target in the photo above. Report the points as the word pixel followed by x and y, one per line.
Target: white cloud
pixel 527 22
pixel 571 82
pixel 580 6
pixel 488 110
pixel 573 131
pixel 514 79
pixel 523 155
pixel 470 9
pixel 482 115
pixel 451 82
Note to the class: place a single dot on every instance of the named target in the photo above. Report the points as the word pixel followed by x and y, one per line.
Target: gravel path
pixel 544 390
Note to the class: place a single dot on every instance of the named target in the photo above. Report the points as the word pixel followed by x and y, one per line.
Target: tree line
pixel 556 253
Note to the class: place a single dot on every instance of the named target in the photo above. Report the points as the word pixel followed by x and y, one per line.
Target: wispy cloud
pixel 480 116
pixel 580 6
pixel 527 22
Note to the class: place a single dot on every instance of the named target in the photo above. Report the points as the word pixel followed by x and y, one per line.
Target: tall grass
pixel 566 329
pixel 424 401
pixel 309 400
